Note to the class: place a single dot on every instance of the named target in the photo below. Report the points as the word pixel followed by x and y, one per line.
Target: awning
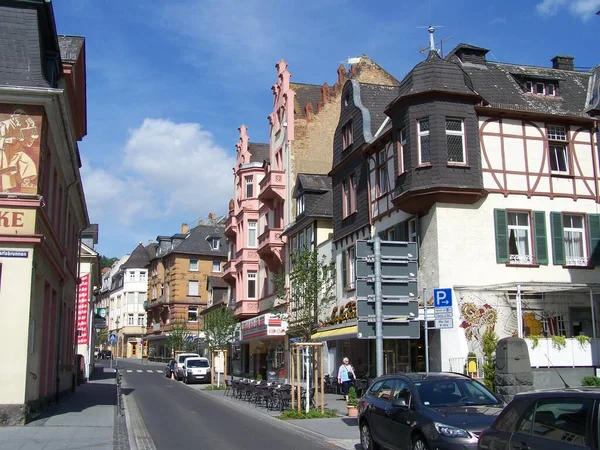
pixel 338 333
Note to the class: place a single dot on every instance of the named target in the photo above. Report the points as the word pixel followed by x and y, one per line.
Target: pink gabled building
pixel 301 131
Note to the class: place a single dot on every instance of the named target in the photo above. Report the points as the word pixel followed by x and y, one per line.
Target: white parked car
pixel 196 369
pixel 179 372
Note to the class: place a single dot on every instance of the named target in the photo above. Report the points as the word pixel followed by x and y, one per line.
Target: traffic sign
pixel 399 308
pixel 444 323
pixel 389 249
pixel 389 288
pixel 389 268
pixel 442 298
pixel 112 337
pixel 391 329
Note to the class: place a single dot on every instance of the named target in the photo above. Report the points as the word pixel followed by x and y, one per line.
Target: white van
pixel 196 369
pixel 179 360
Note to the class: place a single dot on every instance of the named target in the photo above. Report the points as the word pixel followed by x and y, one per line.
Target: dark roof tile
pixel 305 94
pixel 258 152
pixel 376 98
pixel 217 282
pixel 313 182
pixel 139 258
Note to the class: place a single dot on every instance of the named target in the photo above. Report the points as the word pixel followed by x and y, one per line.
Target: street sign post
pixel 386 292
pixel 443 308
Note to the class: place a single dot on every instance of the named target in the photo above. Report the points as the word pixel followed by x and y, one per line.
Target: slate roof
pixel 324 208
pixel 305 94
pixel 314 182
pixel 70 46
pixel 196 242
pixel 139 258
pixel 217 282
pixel 376 98
pixel 501 85
pixel 258 152
pixel 20 52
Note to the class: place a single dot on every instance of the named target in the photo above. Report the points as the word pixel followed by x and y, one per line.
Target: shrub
pixel 293 414
pixel 489 342
pixel 352 400
pixel 590 381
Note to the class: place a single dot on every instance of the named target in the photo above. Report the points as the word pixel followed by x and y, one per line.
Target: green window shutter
pixel 594 236
pixel 501 228
pixel 345 270
pixel 558 239
pixel 400 232
pixel 541 240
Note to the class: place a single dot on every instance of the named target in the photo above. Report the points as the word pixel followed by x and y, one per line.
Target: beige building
pixel 178 290
pixel 42 206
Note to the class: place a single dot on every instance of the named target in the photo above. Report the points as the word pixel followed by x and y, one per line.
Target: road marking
pixel 129 370
pixel 149 371
pixel 139 371
pixel 159 371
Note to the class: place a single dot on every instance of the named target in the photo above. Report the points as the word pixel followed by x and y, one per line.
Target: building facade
pixel 127 316
pixel 177 286
pixel 42 118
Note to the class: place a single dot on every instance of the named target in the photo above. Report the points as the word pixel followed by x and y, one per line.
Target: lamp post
pixel 117 320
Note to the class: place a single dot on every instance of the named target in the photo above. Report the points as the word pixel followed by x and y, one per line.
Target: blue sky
pixel 169 82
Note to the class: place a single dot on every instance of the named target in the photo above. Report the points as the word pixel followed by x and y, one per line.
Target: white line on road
pixel 139 371
pixel 159 371
pixel 129 370
pixel 149 371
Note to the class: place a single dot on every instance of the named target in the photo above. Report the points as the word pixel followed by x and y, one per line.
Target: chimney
pixel 150 241
pixel 184 228
pixel 562 62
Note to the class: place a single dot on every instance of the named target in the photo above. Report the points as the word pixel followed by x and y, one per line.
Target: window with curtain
pixel 519 238
pixel 575 243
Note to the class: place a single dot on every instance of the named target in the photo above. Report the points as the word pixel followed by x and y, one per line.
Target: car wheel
pixel 419 443
pixel 185 380
pixel 366 438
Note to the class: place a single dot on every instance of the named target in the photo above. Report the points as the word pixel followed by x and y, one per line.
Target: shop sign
pixel 82 310
pixel 260 326
pixel 17 221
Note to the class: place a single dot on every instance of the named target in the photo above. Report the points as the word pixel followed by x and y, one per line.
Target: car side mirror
pixel 400 402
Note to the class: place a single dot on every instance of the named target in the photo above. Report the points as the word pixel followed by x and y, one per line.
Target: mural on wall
pixel 19 152
pixel 476 319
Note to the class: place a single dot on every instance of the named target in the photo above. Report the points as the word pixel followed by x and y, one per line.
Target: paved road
pixel 178 416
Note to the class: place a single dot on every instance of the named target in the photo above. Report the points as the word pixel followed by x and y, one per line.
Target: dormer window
pixel 347 136
pixel 300 205
pixel 214 243
pixel 540 88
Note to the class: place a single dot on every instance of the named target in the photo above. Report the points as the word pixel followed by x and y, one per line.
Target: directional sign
pixel 442 298
pixel 389 288
pixel 389 249
pixel 398 308
pixel 392 329
pixel 444 323
pixel 393 268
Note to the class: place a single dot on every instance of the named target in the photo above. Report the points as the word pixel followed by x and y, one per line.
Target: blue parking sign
pixel 442 298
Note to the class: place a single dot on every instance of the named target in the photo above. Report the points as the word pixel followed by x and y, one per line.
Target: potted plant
pixel 352 403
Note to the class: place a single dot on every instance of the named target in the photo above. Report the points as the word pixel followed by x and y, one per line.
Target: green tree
pixel 310 293
pixel 101 337
pixel 489 340
pixel 219 328
pixel 105 261
pixel 180 339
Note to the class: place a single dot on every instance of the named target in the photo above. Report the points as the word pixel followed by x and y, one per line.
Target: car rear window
pixel 197 363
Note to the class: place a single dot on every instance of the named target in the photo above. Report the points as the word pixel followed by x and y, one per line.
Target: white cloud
pixel 167 170
pixel 583 9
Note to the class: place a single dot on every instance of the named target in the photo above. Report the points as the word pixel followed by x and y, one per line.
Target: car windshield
pixel 454 392
pixel 197 363
pixel 182 358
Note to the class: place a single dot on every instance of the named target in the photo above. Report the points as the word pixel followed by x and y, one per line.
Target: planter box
pixel 573 354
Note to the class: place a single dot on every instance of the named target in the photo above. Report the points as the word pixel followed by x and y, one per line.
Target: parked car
pixel 565 419
pixel 170 369
pixel 196 369
pixel 105 354
pixel 418 411
pixel 180 358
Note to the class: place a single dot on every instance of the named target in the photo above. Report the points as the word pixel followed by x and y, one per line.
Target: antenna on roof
pixel 432 44
pixel 439 43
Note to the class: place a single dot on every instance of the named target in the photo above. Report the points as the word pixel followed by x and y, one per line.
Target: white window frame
pixel 140 320
pixel 401 147
pixel 521 259
pixel 300 203
pixel 251 277
pixel 130 320
pixel 529 86
pixel 422 134
pixel 347 135
pixel 142 276
pixel 191 291
pixel 576 260
pixel 249 184
pixel 215 243
pixel 252 230
pixel 131 274
pixel 194 267
pixel 381 162
pixel 351 262
pixel 346 197
pixel 191 312
pixel 551 87
pixel 460 133
pixel 537 85
pixel 216 264
pixel 558 142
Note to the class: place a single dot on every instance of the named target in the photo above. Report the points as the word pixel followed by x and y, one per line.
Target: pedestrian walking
pixel 346 376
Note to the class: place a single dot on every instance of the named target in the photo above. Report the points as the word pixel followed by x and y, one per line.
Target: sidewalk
pixel 86 420
pixel 341 432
